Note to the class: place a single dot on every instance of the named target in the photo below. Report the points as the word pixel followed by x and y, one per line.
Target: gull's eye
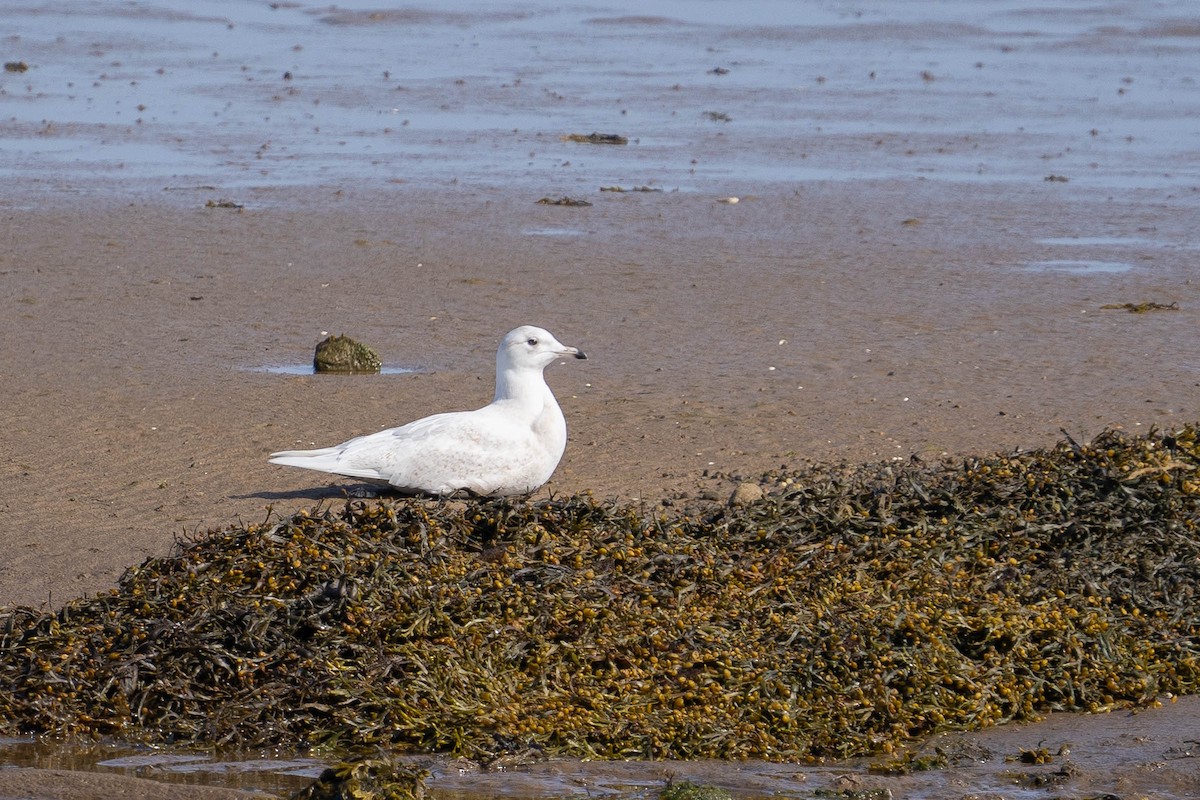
pixel 531 342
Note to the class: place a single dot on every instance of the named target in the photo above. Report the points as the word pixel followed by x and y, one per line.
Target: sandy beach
pixel 724 341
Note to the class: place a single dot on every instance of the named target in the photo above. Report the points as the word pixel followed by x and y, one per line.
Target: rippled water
pixel 240 94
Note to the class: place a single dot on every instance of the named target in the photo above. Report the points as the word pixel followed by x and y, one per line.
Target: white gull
pixel 510 446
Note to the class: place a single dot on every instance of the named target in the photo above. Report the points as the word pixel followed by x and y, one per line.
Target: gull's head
pixel 530 347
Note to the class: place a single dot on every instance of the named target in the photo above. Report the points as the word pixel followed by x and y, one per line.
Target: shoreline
pixel 1151 758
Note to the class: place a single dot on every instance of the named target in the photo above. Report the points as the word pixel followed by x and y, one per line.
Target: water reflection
pixel 279 774
pixel 307 369
pixel 1079 266
pixel 1117 241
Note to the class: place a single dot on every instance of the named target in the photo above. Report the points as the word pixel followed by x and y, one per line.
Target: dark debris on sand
pixel 842 614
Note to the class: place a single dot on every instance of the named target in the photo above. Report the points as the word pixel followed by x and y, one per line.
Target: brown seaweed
pixel 595 138
pixel 1142 308
pixel 562 201
pixel 367 779
pixel 846 612
pixel 631 189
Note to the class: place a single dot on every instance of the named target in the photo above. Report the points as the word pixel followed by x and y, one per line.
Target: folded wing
pixel 440 454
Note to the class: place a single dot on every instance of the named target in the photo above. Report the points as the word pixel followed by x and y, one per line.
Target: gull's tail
pixel 323 459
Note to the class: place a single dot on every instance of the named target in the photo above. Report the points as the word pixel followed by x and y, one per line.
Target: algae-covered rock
pixel 686 790
pixel 343 354
pixel 367 779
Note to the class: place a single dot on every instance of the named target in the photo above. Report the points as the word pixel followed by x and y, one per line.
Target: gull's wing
pixel 481 450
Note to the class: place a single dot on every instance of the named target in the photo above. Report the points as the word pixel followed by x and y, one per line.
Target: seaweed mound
pixel 848 610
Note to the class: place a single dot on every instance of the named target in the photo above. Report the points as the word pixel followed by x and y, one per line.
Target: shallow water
pixel 267 772
pixel 1118 241
pixel 209 96
pixel 307 369
pixel 1079 266
pixel 1153 753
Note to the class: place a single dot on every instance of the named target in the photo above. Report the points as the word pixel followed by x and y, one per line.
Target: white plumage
pixel 510 446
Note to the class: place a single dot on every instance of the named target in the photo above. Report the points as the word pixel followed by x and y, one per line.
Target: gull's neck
pixel 525 388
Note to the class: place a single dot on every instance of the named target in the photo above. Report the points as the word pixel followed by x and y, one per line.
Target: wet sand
pixel 724 340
